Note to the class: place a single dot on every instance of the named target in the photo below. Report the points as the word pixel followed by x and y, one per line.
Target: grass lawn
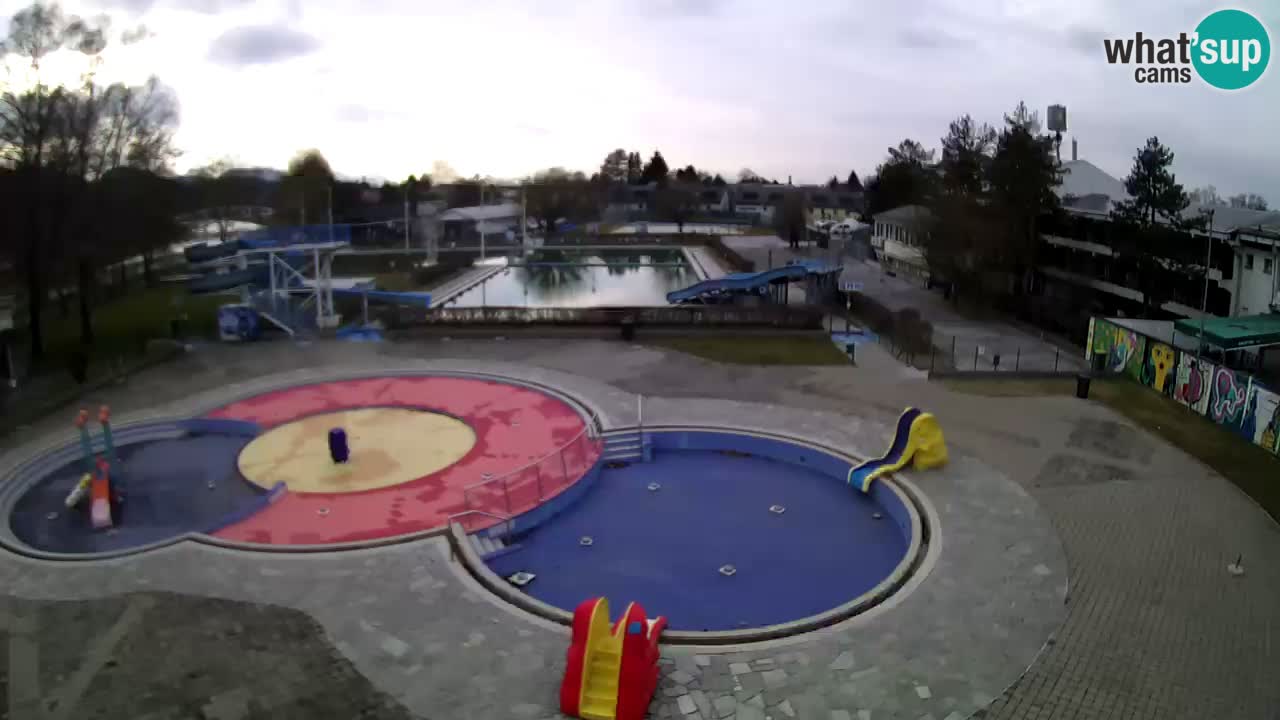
pixel 124 325
pixel 756 350
pixel 1251 468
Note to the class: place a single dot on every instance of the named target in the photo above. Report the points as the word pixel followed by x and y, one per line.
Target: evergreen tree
pixel 853 182
pixel 655 171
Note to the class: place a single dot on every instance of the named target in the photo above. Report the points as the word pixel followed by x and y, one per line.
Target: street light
pixel 1204 298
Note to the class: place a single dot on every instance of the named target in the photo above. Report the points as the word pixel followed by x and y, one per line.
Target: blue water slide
pixel 747 282
pixel 218 282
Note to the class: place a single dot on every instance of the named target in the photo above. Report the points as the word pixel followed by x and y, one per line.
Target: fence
pixel 998 353
pixel 799 318
pixel 1236 400
pixel 522 489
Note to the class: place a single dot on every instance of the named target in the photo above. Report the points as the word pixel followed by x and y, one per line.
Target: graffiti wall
pixel 1228 391
pixel 1193 383
pixel 1232 399
pixel 1260 420
pixel 1160 373
pixel 1123 348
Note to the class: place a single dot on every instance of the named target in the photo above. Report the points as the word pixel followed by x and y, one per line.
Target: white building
pixel 897 239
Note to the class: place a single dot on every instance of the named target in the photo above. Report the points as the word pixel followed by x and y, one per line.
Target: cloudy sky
pixel 806 88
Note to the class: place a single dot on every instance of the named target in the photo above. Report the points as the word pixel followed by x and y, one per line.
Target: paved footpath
pixel 1153 627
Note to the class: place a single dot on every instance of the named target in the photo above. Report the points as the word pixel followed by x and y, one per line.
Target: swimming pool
pixel 721 531
pixel 550 278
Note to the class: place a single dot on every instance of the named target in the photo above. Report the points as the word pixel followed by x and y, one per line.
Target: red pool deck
pixel 537 442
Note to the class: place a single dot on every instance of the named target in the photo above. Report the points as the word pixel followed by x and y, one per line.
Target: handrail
pixel 593 421
pixel 527 465
pixel 496 516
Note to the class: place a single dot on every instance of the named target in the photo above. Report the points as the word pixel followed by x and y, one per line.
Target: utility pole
pixel 524 221
pixel 330 212
pixel 406 216
pixel 480 222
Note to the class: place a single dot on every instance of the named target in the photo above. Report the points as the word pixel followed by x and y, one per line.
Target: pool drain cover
pixel 654 487
pixel 777 509
pixel 521 578
pixel 728 570
pixel 586 541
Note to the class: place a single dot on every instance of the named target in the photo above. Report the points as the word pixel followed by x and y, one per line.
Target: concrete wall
pixel 1233 399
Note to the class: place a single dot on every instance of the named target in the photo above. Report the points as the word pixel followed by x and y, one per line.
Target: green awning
pixel 1235 332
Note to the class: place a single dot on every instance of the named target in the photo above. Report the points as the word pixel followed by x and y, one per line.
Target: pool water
pixel 587 279
pixel 664 548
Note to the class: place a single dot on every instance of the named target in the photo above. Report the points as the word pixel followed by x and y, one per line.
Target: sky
pixel 804 89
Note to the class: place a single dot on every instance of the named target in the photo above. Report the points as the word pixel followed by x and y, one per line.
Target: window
pixel 1248 261
pixel 1266 266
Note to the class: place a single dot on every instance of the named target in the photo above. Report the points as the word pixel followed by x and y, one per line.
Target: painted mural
pixel 1122 348
pixel 1161 369
pixel 1261 421
pixel 1194 376
pixel 1228 391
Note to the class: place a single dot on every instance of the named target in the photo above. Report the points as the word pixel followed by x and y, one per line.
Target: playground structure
pixel 611 672
pixel 819 278
pixel 96 482
pixel 917 441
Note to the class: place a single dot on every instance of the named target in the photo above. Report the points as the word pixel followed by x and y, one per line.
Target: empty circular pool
pixel 718 531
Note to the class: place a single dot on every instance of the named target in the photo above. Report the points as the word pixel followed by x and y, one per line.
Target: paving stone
pixel 702 660
pixel 785 708
pixel 843 661
pixel 840 715
pixel 725 705
pixel 704 704
pixel 923 692
pixel 739 668
pixel 749 712
pixel 681 677
pixel 675 691
pixel 686 705
pixel 774 678
pixel 864 714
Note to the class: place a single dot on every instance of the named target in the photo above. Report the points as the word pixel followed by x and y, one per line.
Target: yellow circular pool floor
pixel 388 446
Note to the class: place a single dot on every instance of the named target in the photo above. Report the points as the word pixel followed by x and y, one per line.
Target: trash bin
pixel 1082 386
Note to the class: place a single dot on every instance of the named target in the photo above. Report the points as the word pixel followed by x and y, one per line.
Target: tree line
pixel 82 167
pixel 989 192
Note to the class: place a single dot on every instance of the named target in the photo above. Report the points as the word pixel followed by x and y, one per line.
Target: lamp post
pixel 1204 298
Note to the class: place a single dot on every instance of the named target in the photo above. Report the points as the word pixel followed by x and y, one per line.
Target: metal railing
pixel 457 517
pixel 526 487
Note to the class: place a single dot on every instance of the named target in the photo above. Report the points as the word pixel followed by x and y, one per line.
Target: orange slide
pixel 612 671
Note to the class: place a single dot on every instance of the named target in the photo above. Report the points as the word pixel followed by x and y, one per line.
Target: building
pixel 1081 265
pixel 496 223
pixel 897 239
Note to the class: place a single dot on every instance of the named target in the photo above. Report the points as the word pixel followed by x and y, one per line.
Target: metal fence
pixel 790 317
pixel 998 353
pixel 510 494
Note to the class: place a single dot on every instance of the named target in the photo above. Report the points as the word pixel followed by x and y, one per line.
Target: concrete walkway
pixel 1154 626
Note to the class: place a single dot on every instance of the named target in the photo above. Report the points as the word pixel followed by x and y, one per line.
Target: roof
pixel 905 215
pixel 482 212
pixel 1226 219
pixel 1235 332
pixel 1081 179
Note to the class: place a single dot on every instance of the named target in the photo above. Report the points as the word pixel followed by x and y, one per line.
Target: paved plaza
pixel 1079 571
